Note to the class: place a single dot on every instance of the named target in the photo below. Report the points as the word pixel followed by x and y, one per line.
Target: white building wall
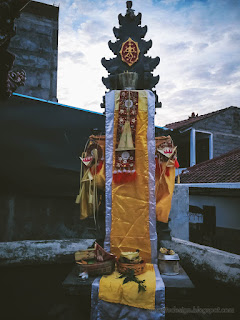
pixel 227 209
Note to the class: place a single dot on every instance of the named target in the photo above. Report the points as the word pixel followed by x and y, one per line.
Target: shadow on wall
pixel 42 218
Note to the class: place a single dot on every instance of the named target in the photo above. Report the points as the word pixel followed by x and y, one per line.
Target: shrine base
pixel 102 310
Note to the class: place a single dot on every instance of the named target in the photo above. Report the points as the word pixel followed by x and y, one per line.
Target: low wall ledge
pixel 41 251
pixel 218 265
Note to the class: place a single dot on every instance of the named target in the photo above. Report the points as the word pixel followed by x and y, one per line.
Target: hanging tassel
pixel 178 178
pixel 176 164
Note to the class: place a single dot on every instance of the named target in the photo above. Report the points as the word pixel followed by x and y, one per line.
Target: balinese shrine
pixel 126 183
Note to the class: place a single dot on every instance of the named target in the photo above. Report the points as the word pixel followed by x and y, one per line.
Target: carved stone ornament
pixel 15 80
pixel 130 50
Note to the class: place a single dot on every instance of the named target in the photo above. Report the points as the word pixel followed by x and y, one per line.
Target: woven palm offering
pixel 131 261
pixel 95 261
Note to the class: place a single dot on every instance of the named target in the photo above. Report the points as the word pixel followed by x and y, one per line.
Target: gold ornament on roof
pixel 129 52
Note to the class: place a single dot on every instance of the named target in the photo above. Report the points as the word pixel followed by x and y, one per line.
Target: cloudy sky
pixel 198 42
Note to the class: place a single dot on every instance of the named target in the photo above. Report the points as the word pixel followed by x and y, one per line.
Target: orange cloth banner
pixel 130 201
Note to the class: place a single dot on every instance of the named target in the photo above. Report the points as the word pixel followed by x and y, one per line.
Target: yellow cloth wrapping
pixel 87 197
pixel 164 192
pixel 112 289
pixel 100 178
pixel 130 201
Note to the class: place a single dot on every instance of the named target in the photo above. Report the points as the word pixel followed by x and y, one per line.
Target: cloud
pixel 179 46
pixel 76 56
pixel 198 43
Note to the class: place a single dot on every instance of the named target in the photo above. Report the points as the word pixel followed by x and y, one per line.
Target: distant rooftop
pixel 194 118
pixel 225 168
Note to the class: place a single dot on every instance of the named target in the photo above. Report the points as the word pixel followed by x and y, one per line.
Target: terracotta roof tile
pixel 225 168
pixel 191 120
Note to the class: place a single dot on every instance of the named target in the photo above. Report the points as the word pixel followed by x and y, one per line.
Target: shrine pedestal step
pixel 178 288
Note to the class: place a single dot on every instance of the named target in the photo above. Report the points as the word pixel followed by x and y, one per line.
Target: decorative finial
pixel 130 11
pixel 129 4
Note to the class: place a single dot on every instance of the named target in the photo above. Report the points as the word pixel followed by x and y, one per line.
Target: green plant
pixel 130 276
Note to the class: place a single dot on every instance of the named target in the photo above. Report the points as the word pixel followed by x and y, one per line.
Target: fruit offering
pixel 167 251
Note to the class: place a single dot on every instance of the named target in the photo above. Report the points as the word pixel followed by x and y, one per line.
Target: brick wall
pixel 225 127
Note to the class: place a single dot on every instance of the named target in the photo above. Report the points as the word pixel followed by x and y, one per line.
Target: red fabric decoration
pixel 176 164
pixel 98 168
pixel 167 172
pixel 124 177
pixel 126 162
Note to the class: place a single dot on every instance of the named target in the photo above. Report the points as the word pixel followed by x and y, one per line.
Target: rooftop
pixel 42 9
pixel 225 168
pixel 195 118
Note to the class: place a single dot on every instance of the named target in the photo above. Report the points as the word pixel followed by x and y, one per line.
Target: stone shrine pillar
pixel 130 141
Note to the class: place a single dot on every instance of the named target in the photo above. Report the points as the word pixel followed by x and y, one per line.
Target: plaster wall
pixel 42 218
pixel 36 48
pixel 179 223
pixel 227 209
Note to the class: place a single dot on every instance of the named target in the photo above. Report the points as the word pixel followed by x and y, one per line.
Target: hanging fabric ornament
pixel 91 164
pixel 166 162
pixel 125 144
pixel 166 152
pixel 176 164
pixel 94 150
pixel 87 160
